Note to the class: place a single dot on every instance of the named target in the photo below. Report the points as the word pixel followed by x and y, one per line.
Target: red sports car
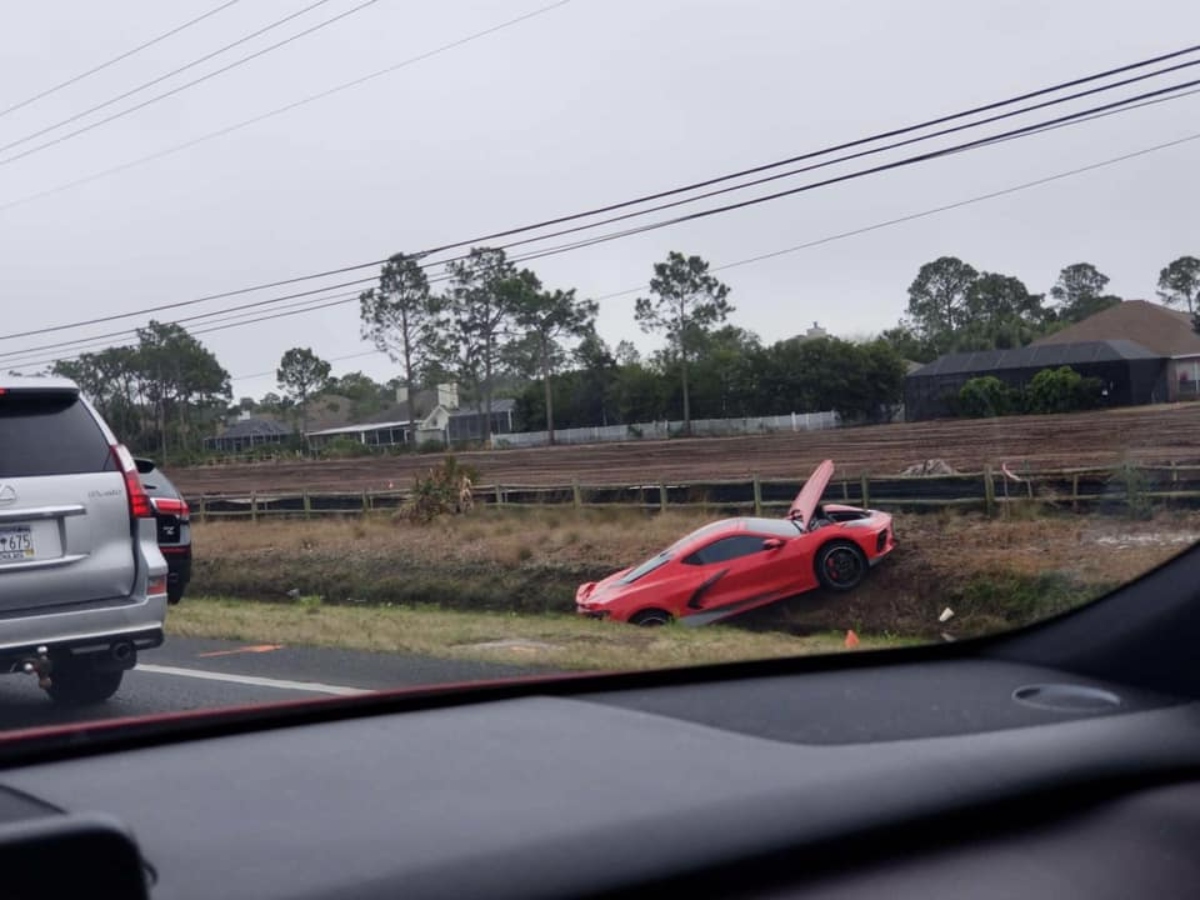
pixel 734 565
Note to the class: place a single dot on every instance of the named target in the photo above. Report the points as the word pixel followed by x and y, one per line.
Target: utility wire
pixel 278 111
pixel 874 170
pixel 1108 109
pixel 823 240
pixel 1091 113
pixel 866 229
pixel 598 210
pixel 176 90
pixel 116 59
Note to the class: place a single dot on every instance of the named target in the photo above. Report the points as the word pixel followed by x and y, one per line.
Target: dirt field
pixel 1158 434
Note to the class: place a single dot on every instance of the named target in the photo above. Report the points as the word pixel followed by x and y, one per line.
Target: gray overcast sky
pixel 596 101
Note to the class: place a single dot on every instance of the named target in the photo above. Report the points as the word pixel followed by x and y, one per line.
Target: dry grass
pixel 555 641
pixel 995 573
pixel 547 535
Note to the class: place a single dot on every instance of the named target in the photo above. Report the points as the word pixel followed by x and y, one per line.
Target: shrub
pixel 446 489
pixel 1136 485
pixel 1061 390
pixel 342 447
pixel 985 397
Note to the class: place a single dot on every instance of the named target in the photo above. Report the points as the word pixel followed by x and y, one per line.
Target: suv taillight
pixel 139 500
pixel 172 507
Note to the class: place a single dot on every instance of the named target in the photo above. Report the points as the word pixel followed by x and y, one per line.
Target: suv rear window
pixel 49 434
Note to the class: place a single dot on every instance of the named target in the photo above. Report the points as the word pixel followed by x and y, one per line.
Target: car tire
pixel 841 566
pixel 174 596
pixel 648 618
pixel 80 684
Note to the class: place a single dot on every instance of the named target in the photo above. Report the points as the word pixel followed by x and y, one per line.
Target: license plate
pixel 16 543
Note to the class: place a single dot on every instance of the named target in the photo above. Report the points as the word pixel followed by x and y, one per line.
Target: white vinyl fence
pixel 651 431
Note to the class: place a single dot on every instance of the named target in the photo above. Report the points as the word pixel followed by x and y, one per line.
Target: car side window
pixel 726 549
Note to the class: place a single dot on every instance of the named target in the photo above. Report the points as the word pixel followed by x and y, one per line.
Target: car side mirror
pixel 772 543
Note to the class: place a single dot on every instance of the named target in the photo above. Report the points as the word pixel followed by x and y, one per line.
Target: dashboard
pixel 937 778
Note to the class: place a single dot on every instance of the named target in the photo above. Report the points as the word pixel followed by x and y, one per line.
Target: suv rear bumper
pixel 109 632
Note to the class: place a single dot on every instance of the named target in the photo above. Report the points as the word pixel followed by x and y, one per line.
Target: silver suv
pixel 83 585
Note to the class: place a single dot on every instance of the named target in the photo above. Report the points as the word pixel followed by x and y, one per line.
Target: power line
pixel 328 302
pixel 285 281
pixel 883 148
pixel 331 359
pixel 884 167
pixel 877 226
pixel 130 332
pixel 101 341
pixel 1073 118
pixel 598 210
pixel 176 90
pixel 116 59
pixel 264 116
pixel 932 211
pixel 1084 115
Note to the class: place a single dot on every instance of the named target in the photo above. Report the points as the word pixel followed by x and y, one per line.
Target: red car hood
pixel 810 495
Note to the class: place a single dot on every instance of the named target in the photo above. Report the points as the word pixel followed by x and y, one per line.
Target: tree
pixel 999 313
pixel 401 317
pixel 599 372
pixel 301 374
pixel 937 300
pixel 366 395
pixel 544 320
pixel 1179 284
pixel 178 376
pixel 859 381
pixel 904 340
pixel 1080 292
pixel 723 381
pixel 687 303
pixel 627 354
pixel 475 321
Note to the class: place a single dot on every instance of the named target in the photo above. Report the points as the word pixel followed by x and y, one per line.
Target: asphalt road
pixel 187 674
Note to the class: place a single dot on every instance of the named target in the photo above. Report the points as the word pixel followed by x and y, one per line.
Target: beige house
pixel 1167 333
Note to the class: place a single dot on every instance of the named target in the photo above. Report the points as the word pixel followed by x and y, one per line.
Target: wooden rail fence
pixel 1105 489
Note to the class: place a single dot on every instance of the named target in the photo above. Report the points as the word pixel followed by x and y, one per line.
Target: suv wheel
pixel 81 684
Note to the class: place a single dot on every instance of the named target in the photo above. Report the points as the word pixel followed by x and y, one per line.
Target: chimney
pixel 243 415
pixel 447 396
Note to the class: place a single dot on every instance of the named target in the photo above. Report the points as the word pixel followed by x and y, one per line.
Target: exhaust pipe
pixel 123 652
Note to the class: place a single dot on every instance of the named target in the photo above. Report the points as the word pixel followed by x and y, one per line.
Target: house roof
pixel 1162 331
pixel 255 427
pixel 499 405
pixel 363 426
pixel 1033 356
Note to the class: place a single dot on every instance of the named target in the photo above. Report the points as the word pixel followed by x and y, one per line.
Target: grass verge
pixel 993 573
pixel 551 640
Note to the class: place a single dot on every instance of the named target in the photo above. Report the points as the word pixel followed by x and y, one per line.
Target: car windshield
pixel 445 325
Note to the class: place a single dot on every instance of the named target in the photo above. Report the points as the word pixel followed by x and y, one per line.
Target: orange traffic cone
pixel 851 639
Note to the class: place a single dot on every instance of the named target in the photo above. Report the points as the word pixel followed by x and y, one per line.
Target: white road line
pixel 312 687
